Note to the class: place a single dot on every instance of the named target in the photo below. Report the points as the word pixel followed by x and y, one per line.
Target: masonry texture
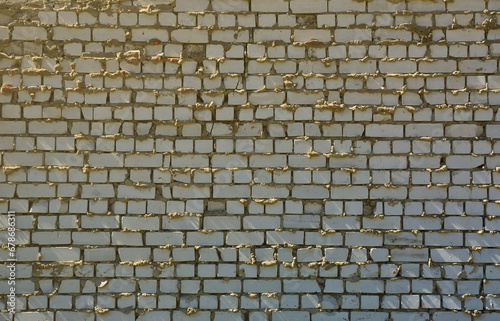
pixel 229 160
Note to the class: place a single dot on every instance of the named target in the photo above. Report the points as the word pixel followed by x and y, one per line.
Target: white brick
pixel 308 6
pixel 382 192
pixel 301 286
pixel 375 192
pixel 136 192
pixel 388 162
pixel 346 35
pixel 63 159
pixel 261 222
pixel 231 191
pixel 164 238
pixel 437 66
pixel 449 255
pixel 28 33
pixel 262 191
pixel 34 316
pixel 463 161
pixel 316 238
pixel 190 36
pixel 310 192
pixel 245 238
pixel 221 223
pixel 271 35
pixel 343 6
pixel 105 34
pixel 375 130
pixel 485 256
pixel 181 223
pixel 144 34
pixel 424 130
pixel 353 192
pixel 106 160
pixel 311 34
pixel 395 67
pixel 266 6
pixel 462 5
pixel 60 254
pixel 230 6
pixel 357 66
pixel 409 255
pixel 190 192
pixel 199 238
pixel 42 127
pixel 365 286
pixel 198 316
pixel 362 98
pixel 386 6
pixel 267 98
pixel 67 33
pixel 221 286
pixel 228 161
pixel 189 5
pixel 190 161
pixel 70 315
pixel 141 223
pixel 98 191
pixel 273 237
pixel 152 160
pixel 464 35
pixel 36 190
pixel 463 130
pixel 117 286
pixel 23 159
pixel 425 6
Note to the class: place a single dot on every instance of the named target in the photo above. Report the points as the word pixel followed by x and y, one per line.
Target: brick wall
pixel 251 159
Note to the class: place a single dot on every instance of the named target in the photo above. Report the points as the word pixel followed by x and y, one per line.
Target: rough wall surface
pixel 251 160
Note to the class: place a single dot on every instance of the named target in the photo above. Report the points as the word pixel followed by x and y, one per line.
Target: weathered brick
pixel 144 34
pixel 28 33
pixel 68 33
pixel 139 192
pixel 190 36
pixel 222 286
pixel 265 6
pixel 23 159
pixel 311 34
pixel 106 160
pixel 105 34
pixel 230 6
pixel 245 238
pixel 203 142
